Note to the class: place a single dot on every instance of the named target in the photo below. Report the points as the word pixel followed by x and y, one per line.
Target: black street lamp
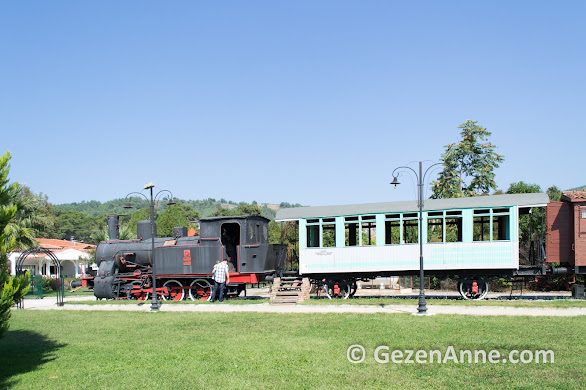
pixel 149 186
pixel 422 308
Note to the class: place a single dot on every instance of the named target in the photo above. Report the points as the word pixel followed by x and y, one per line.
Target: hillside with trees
pixel 85 221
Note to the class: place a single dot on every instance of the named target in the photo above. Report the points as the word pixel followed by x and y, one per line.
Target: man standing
pixel 221 277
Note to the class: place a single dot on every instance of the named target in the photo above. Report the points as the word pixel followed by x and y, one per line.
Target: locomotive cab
pixel 244 240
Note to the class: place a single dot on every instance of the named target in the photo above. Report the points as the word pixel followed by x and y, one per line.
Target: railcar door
pixel 580 236
pixel 231 241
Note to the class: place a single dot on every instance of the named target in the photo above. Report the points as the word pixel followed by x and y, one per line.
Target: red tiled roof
pixel 574 196
pixel 60 245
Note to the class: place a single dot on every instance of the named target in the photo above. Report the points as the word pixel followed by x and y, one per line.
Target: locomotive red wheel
pixel 200 290
pixel 175 291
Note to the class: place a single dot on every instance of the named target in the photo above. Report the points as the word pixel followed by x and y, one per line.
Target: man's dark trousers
pixel 215 290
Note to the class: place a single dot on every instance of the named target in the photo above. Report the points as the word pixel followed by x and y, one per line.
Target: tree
pixel 33 218
pixel 139 215
pixel 103 234
pixel 242 209
pixel 286 233
pixel 11 289
pixel 530 225
pixel 554 193
pixel 75 224
pixel 469 165
pixel 173 216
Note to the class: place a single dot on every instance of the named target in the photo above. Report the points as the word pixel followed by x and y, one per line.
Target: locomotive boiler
pixel 183 263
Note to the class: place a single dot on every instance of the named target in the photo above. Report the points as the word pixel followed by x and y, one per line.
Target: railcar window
pixel 491 225
pixel 393 232
pixel 453 226
pixel 313 236
pixel 368 227
pixel 321 232
pixel 351 231
pixel 410 230
pixel 401 229
pixel 435 227
pixel 329 232
pixel 500 227
pixel 481 229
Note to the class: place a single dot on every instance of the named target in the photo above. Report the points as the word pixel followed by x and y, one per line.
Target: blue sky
pixel 311 102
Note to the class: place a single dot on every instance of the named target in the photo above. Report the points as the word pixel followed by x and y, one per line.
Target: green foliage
pixel 469 165
pixel 47 283
pixel 13 290
pixel 523 188
pixel 286 233
pixel 244 209
pixel 139 215
pixel 8 210
pixel 76 224
pixel 177 215
pixel 103 234
pixel 34 218
pixel 554 193
pixel 93 208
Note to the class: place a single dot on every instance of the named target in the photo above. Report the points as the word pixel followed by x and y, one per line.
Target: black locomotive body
pixel 183 263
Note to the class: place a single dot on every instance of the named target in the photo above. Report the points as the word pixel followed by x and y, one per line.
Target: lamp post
pixel 422 308
pixel 150 186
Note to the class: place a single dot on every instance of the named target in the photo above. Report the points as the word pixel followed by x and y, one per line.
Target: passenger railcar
pixel 184 263
pixel 472 239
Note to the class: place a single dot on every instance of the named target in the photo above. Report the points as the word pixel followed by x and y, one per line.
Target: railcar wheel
pixel 470 292
pixel 337 290
pixel 176 292
pixel 353 289
pixel 200 290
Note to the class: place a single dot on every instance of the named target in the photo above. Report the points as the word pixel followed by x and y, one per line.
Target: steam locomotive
pixel 183 263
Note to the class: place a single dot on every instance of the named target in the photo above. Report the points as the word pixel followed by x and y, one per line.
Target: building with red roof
pixel 72 255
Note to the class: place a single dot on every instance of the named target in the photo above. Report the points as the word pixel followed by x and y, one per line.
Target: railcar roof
pixel 234 217
pixel 522 200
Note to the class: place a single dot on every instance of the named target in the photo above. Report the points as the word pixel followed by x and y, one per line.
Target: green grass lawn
pixel 105 350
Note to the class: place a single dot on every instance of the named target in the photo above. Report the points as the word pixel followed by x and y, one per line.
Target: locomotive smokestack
pixel 113 227
pixel 143 230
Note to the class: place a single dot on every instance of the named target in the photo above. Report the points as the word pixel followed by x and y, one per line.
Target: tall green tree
pixel 468 165
pixel 34 218
pixel 11 289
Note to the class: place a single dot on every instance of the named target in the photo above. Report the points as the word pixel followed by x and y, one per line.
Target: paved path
pixel 50 304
